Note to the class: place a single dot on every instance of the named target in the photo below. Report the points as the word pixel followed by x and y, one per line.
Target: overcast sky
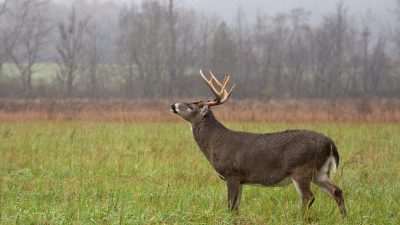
pixel 381 10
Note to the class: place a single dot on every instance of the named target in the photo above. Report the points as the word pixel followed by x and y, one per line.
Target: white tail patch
pixel 330 163
pixel 334 165
pixel 333 162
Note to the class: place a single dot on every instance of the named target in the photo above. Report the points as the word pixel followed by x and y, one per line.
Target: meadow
pixel 58 172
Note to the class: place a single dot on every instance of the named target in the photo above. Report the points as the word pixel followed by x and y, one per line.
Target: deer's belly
pixel 286 181
pixel 270 181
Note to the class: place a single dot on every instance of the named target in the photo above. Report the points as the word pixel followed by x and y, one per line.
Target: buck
pixel 300 157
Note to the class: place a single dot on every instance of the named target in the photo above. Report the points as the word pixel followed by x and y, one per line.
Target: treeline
pixel 155 49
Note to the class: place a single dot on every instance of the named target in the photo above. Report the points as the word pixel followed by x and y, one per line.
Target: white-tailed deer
pixel 270 159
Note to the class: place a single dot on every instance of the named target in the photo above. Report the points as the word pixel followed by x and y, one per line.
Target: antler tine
pixel 223 85
pixel 221 96
pixel 233 86
pixel 211 86
pixel 215 78
pixel 226 79
pixel 227 94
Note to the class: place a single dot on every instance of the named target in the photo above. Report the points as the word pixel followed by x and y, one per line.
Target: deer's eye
pixel 190 107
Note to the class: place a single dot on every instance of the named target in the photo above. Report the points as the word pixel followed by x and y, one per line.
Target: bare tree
pixel 397 28
pixel 70 47
pixel 366 33
pixel 172 51
pixel 223 49
pixel 155 47
pixel 207 26
pixel 263 55
pixel 141 43
pixel 187 45
pixel 243 36
pixel 279 38
pixel 27 37
pixel 298 50
pixel 131 35
pixel 379 65
pixel 397 43
pixel 331 44
pixel 92 59
pixel 3 7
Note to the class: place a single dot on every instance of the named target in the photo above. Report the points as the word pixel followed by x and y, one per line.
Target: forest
pixel 155 49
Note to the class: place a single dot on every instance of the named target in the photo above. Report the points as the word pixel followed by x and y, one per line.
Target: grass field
pixel 153 173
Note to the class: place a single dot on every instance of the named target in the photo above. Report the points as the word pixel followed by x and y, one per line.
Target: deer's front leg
pixel 234 193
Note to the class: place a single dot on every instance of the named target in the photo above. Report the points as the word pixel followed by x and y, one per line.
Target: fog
pixel 380 10
pixel 155 48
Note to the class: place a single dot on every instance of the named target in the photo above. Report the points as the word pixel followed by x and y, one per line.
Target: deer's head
pixel 195 111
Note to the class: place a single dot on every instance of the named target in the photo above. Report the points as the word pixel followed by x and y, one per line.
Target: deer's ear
pixel 204 110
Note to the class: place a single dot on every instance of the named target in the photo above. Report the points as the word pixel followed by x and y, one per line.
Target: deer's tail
pixel 334 157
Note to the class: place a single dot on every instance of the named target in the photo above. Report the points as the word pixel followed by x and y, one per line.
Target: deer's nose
pixel 173 108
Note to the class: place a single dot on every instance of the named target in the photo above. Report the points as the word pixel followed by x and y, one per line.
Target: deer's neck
pixel 209 133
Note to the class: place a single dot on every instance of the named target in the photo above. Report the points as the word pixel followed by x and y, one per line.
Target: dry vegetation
pixel 121 110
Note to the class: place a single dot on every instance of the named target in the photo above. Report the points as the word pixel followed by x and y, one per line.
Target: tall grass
pixel 152 173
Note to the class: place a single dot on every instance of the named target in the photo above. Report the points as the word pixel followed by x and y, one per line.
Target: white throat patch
pixel 191 127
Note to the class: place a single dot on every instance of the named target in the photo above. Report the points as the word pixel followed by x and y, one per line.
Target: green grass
pixel 148 173
pixel 43 71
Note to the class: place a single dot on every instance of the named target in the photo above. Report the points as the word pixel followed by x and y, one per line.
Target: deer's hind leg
pixel 323 180
pixel 335 192
pixel 302 183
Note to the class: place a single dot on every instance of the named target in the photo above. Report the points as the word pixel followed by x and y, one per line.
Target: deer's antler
pixel 222 95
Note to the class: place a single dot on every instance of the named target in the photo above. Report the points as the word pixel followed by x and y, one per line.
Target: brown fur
pixel 262 159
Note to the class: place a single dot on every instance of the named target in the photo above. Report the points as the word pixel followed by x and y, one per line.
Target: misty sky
pixel 381 10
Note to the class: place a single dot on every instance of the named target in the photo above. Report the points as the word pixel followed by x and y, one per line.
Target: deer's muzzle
pixel 173 108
